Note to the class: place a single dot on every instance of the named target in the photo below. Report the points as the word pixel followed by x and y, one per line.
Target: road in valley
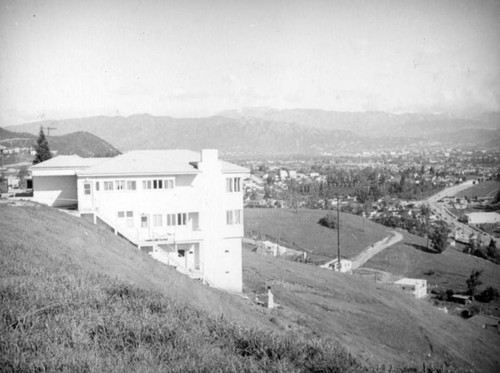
pixel 443 213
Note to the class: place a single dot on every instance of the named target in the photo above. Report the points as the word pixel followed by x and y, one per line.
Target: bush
pixel 487 295
pixel 329 221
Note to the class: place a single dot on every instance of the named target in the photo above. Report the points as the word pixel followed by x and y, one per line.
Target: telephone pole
pixel 338 231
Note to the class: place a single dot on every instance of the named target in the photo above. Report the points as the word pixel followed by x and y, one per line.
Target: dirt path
pixel 374 249
pixel 371 251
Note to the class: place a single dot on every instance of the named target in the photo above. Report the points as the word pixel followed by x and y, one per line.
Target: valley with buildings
pixel 250 186
pixel 416 233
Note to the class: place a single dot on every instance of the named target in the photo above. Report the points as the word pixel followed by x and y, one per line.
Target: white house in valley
pixel 414 286
pixel 185 206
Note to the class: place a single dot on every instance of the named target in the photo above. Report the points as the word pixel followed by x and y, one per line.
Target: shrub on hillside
pixel 488 294
pixel 329 221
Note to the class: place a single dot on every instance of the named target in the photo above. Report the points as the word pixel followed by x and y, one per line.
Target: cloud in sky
pixel 72 58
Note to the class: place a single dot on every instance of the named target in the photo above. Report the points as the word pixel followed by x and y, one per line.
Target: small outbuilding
pixel 414 286
pixel 345 265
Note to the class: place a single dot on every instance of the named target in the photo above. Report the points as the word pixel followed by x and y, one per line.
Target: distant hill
pixel 372 124
pixel 240 136
pixel 271 131
pixel 80 143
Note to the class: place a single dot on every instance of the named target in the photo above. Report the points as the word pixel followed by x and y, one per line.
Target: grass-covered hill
pixel 75 297
pixel 408 258
pixel 80 143
pixel 301 229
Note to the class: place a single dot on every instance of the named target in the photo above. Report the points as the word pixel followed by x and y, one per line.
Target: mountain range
pixel 271 131
pixel 80 143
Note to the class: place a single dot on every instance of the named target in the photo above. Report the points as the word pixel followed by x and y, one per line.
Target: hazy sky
pixel 61 59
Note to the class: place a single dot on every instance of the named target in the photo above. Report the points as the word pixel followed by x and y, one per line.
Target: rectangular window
pixel 144 221
pixel 120 184
pixel 155 184
pixel 182 218
pixel 130 219
pixel 171 218
pixel 97 186
pixel 131 184
pixel 86 189
pixel 121 214
pixel 108 185
pixel 233 217
pixel 233 184
pixel 146 184
pixel 169 184
pixel 157 220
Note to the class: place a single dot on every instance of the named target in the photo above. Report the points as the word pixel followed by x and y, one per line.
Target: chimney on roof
pixel 209 160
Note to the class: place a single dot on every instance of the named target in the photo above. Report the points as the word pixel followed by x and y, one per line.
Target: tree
pixel 473 281
pixel 22 174
pixel 42 148
pixel 439 236
pixel 492 250
pixel 329 221
pixel 497 197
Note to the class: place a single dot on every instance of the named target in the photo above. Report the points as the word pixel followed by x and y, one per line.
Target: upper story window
pixel 158 184
pixel 86 189
pixel 131 185
pixel 233 184
pixel 233 217
pixel 181 218
pixel 120 184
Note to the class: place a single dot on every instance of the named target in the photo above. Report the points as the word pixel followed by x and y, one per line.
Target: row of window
pixel 156 219
pixel 232 217
pixel 129 185
pixel 233 184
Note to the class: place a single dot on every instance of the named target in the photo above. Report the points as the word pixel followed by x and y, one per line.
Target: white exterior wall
pixel 416 287
pixel 203 195
pixel 55 191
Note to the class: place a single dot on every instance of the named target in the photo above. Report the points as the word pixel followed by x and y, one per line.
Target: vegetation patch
pixel 56 316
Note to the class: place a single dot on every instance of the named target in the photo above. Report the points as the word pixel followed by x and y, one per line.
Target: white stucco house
pixel 186 205
pixel 413 286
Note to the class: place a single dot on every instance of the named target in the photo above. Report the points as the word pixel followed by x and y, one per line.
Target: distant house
pixel 345 265
pixel 413 286
pixel 186 205
pixel 483 217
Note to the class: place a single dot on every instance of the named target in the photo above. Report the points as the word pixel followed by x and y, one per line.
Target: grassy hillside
pixel 449 269
pixel 302 230
pixel 485 189
pixel 76 297
pixel 375 321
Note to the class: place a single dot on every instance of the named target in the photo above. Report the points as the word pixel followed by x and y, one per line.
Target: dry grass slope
pixel 302 229
pixel 75 297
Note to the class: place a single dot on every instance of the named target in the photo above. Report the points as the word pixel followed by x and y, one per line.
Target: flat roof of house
pixel 410 281
pixel 155 162
pixel 68 161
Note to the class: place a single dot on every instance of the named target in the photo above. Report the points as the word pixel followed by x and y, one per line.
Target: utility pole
pixel 47 129
pixel 338 231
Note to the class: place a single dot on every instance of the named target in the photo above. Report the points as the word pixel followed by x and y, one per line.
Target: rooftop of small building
pixel 410 281
pixel 68 161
